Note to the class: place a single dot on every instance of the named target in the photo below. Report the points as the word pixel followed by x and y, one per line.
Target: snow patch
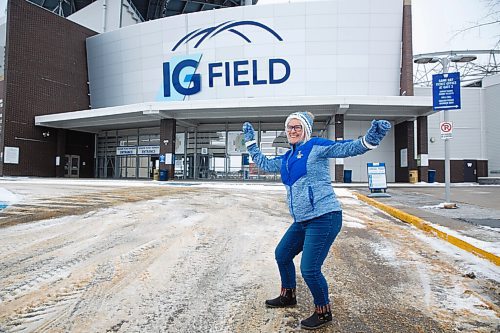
pixel 386 251
pixel 8 197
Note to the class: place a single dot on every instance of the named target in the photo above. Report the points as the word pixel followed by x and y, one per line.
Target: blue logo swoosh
pixel 226 26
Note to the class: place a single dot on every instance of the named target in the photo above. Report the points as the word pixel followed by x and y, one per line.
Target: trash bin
pixel 156 174
pixel 347 176
pixel 413 176
pixel 431 176
pixel 163 175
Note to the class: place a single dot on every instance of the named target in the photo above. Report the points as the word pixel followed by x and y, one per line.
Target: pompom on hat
pixel 306 119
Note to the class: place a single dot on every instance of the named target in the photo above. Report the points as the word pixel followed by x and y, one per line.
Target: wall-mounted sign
pixel 403 156
pixel 182 76
pixel 11 155
pixel 148 150
pixel 169 158
pixel 179 143
pixel 235 143
pixel 140 150
pixel 120 151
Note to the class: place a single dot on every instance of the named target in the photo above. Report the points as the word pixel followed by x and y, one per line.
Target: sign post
pixel 446 96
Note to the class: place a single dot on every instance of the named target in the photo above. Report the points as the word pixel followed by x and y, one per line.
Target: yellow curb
pixel 424 225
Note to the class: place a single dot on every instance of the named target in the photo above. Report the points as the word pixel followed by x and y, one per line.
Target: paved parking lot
pixel 185 257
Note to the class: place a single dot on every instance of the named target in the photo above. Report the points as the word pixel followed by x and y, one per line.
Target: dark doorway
pixel 470 171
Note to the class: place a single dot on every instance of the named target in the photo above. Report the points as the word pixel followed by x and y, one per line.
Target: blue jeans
pixel 313 238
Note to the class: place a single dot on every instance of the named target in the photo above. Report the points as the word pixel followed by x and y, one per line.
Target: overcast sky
pixel 437 24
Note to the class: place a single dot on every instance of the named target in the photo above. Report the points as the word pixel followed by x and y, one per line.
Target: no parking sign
pixel 446 128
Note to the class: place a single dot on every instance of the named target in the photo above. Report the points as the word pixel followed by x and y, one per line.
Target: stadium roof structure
pixel 148 9
pixel 480 64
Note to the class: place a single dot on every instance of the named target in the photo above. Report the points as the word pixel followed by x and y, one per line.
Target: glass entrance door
pixel 126 166
pixel 72 166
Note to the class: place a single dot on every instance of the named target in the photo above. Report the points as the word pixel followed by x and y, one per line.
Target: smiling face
pixel 294 131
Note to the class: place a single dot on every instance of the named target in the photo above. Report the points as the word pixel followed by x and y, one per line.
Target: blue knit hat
pixel 306 119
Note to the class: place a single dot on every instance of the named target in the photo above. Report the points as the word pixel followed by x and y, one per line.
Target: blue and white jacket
pixel 305 171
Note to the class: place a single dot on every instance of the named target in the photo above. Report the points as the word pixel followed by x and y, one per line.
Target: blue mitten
pixel 377 132
pixel 248 132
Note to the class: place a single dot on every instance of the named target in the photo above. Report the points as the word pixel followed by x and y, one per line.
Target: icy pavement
pixel 199 257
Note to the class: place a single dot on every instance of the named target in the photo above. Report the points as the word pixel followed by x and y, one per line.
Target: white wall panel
pixel 358 6
pixel 356 20
pixel 349 47
pixel 324 48
pixel 352 75
pixel 384 47
pixel 353 88
pixel 386 6
pixel 317 88
pixel 353 34
pixel 387 34
pixel 321 35
pixel 283 23
pixel 469 141
pixel 333 48
pixel 320 75
pixel 383 153
pixel 386 20
pixel 322 7
pixel 321 21
pixel 491 100
pixel 229 15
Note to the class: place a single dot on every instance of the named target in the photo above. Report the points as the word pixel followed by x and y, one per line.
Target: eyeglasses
pixel 296 128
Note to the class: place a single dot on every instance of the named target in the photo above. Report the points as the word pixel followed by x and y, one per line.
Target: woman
pixel 316 212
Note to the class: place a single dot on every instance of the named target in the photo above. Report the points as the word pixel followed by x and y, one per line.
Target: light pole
pixel 445 63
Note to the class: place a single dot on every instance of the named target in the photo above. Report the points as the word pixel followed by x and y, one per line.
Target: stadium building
pixel 120 89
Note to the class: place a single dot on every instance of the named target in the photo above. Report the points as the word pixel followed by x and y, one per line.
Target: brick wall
pixel 45 73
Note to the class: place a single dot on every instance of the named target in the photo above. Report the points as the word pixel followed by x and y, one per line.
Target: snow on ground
pixel 466 260
pixel 8 197
pixel 203 261
pixel 492 247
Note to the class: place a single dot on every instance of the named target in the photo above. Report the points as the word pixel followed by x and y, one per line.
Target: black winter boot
pixel 286 299
pixel 321 316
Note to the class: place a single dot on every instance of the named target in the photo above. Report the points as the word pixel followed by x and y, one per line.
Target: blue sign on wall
pixel 446 91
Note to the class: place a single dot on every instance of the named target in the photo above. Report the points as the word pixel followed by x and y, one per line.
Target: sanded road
pixel 191 259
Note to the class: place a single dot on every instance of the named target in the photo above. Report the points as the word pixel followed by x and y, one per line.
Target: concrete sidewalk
pixel 475 221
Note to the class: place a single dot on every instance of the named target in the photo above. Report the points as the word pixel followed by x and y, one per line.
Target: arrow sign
pixel 446 91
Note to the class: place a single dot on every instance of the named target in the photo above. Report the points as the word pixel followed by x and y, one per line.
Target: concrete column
pixel 422 149
pixel 406 78
pixel 60 151
pixel 339 135
pixel 330 134
pixel 167 145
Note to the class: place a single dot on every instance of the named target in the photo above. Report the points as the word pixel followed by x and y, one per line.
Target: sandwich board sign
pixel 377 180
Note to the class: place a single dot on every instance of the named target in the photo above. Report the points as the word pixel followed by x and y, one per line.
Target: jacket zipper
pixel 291 192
